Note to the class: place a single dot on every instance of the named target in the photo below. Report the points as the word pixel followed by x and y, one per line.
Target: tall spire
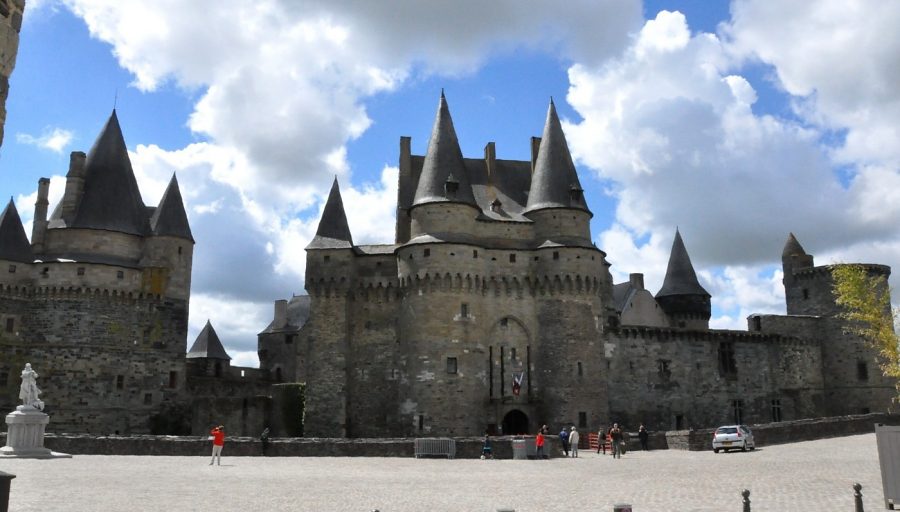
pixel 111 198
pixel 170 219
pixel 14 245
pixel 443 176
pixel 792 247
pixel 207 345
pixel 680 276
pixel 554 183
pixel 333 232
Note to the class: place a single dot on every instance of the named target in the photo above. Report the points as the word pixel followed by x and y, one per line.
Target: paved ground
pixel 814 475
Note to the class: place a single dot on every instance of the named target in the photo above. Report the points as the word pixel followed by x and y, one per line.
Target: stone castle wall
pixel 11 12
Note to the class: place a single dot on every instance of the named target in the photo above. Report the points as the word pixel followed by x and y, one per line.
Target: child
pixel 486 452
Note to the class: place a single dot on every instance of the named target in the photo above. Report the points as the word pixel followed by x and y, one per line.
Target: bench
pixel 434 447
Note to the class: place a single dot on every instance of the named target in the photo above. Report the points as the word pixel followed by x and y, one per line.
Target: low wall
pixel 466 447
pixel 787 431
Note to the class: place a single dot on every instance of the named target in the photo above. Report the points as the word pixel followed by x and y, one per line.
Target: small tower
pixel 168 251
pixel 207 356
pixel 14 244
pixel 794 261
pixel 556 198
pixel 685 302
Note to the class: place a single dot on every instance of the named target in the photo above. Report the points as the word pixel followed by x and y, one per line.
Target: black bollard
pixel 857 497
pixel 746 494
pixel 5 480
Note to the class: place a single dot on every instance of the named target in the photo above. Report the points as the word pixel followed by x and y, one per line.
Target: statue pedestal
pixel 25 435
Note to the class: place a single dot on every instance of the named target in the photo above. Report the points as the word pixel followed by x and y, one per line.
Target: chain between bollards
pixel 746 494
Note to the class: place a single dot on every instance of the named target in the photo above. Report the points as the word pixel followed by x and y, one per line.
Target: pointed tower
pixel 333 231
pixel 207 356
pixel 169 218
pixel 14 245
pixel 685 302
pixel 556 198
pixel 443 176
pixel 169 250
pixel 111 199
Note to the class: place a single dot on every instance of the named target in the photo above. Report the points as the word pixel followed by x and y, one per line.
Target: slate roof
pixel 297 315
pixel 169 218
pixel 443 164
pixel 555 182
pixel 111 198
pixel 680 276
pixel 792 247
pixel 333 231
pixel 207 345
pixel 14 244
pixel 622 293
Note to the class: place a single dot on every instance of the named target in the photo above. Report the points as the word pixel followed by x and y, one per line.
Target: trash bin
pixel 520 449
pixel 888 440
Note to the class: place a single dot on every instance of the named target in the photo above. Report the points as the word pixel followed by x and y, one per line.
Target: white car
pixel 733 437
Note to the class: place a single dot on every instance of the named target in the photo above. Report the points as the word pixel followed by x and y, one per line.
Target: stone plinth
pixel 25 435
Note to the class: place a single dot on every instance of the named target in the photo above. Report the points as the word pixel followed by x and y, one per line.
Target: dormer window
pixel 576 194
pixel 496 205
pixel 450 187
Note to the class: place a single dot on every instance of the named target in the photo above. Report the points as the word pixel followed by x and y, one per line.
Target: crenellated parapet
pixel 532 285
pixel 717 335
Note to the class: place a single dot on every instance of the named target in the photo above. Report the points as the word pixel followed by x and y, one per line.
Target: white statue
pixel 29 391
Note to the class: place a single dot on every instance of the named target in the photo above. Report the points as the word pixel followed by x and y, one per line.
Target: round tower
pixel 685 302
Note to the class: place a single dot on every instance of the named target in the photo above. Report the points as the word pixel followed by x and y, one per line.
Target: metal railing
pixel 435 446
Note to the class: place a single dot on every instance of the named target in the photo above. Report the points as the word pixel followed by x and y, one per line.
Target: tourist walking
pixel 539 444
pixel 564 440
pixel 615 436
pixel 573 441
pixel 643 435
pixel 218 439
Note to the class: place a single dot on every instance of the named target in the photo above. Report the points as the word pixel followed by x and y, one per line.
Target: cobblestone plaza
pixel 805 476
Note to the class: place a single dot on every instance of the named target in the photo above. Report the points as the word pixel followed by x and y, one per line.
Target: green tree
pixel 866 300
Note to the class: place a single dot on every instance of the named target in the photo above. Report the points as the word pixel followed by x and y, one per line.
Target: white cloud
pixel 55 139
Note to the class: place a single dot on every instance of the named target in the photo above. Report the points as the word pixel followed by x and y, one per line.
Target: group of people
pixel 615 437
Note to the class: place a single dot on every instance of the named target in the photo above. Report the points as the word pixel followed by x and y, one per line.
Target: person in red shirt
pixel 539 445
pixel 218 437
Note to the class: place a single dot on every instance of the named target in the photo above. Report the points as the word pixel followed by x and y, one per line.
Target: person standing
pixel 218 439
pixel 573 441
pixel 264 439
pixel 487 451
pixel 601 440
pixel 615 436
pixel 643 435
pixel 539 444
pixel 564 440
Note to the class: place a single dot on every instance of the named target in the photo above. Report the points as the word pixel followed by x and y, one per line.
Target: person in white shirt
pixel 573 442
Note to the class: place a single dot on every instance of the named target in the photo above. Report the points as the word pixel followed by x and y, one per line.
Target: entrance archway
pixel 515 422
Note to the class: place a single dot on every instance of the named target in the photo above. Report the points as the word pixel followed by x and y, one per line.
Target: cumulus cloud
pixel 55 139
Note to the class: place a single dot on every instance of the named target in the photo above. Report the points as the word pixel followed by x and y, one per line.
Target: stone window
pixel 582 419
pixel 727 364
pixel 737 409
pixel 120 382
pixel 80 271
pixel 4 376
pixel 862 371
pixel 556 255
pixel 218 370
pixel 474 253
pixel 426 253
pixel 679 422
pixel 757 323
pixel 512 353
pixel 10 324
pixel 45 272
pixel 421 422
pixel 179 249
pixel 289 338
pixel 173 379
pixel 662 369
pixel 805 294
pixel 327 258
pixel 451 365
pixel 580 369
pixel 464 310
pixel 148 398
pixel 278 376
pixel 504 322
pixel 120 274
pixel 776 410
pixel 12 269
pixel 512 258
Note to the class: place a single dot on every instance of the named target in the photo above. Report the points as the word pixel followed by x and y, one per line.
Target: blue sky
pixel 738 122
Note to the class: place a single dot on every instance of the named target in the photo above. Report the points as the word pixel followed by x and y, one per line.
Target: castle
pixel 492 311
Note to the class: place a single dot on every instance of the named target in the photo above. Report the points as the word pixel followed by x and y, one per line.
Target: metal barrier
pixel 5 480
pixel 435 446
pixel 888 440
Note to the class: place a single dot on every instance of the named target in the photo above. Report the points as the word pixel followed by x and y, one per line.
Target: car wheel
pixel 744 447
pixel 752 448
pixel 715 450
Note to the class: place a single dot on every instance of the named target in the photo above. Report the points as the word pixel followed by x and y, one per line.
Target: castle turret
pixel 685 302
pixel 556 198
pixel 168 253
pixel 14 244
pixel 207 356
pixel 444 201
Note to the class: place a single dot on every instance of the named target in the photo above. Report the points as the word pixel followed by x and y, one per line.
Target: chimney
pixel 74 185
pixel 637 281
pixel 490 158
pixel 39 226
pixel 280 313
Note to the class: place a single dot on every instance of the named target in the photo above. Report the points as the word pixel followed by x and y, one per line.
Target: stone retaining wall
pixel 466 447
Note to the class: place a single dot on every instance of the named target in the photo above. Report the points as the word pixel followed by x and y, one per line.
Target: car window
pixel 726 430
pixel 745 430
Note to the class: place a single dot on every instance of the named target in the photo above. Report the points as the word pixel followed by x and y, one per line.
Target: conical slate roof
pixel 555 182
pixel 333 232
pixel 111 198
pixel 792 247
pixel 208 345
pixel 680 276
pixel 14 245
pixel 443 164
pixel 169 218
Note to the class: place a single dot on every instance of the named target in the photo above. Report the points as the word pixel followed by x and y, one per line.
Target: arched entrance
pixel 515 422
